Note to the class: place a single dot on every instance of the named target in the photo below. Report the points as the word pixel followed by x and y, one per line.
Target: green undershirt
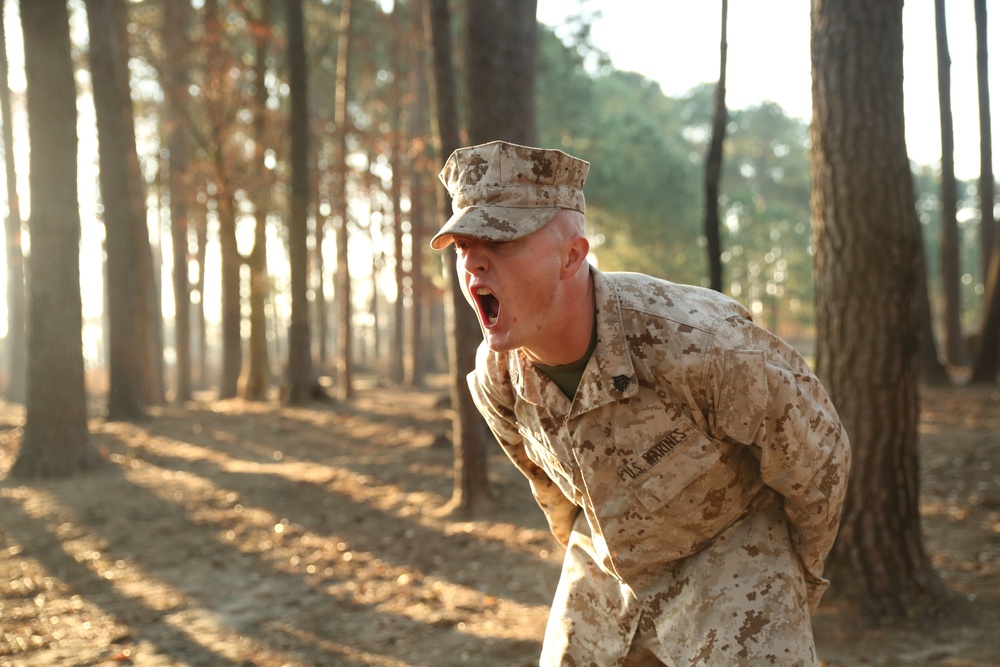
pixel 567 377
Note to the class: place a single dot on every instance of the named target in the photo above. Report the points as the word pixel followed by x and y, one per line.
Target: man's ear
pixel 576 255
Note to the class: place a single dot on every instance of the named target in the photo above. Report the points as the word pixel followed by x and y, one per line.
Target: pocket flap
pixel 663 471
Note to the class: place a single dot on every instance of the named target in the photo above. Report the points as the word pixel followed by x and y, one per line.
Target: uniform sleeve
pixel 767 397
pixel 496 406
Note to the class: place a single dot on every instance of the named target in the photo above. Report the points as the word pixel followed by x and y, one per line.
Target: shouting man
pixel 689 461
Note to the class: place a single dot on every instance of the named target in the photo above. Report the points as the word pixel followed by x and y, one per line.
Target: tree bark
pixel 987 362
pixel 399 94
pixel 299 373
pixel 218 94
pixel 255 377
pixel 201 322
pixel 418 239
pixel 500 54
pixel 867 311
pixel 987 184
pixel 988 356
pixel 950 265
pixel 713 165
pixel 125 398
pixel 147 286
pixel 56 440
pixel 469 438
pixel 418 127
pixel 176 97
pixel 232 310
pixel 16 300
pixel 345 310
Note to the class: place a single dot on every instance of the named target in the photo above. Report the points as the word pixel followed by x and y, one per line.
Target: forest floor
pixel 233 533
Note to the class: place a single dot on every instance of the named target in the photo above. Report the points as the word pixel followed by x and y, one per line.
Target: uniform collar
pixel 609 376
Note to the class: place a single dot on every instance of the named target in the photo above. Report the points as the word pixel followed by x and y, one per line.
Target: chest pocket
pixel 558 470
pixel 670 470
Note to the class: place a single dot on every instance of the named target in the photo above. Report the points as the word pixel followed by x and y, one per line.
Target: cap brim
pixel 493 223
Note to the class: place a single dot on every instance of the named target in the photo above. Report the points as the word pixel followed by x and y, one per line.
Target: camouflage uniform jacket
pixel 687 419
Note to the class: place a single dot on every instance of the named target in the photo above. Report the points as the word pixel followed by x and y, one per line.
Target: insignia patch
pixel 621 382
pixel 643 463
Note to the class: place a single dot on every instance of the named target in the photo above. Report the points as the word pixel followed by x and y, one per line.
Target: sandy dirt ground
pixel 233 533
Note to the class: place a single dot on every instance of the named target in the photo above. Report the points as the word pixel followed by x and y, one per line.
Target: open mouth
pixel 489 306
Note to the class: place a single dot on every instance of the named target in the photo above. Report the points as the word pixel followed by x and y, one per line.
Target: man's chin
pixel 498 343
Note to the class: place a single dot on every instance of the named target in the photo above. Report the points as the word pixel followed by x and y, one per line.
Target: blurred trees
pixel 214 123
pixel 768 253
pixel 15 348
pixel 644 203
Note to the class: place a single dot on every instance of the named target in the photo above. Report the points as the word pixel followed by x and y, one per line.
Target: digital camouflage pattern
pixel 696 478
pixel 502 191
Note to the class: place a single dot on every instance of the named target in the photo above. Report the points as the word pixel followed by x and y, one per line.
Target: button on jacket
pixel 689 421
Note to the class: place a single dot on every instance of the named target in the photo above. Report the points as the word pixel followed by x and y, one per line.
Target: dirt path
pixel 230 533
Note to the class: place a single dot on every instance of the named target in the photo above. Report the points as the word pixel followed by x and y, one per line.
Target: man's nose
pixel 473 260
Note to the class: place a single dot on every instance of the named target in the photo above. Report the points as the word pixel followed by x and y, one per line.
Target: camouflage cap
pixel 503 191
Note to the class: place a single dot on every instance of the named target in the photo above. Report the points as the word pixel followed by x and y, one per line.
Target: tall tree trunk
pixel 217 100
pixel 317 272
pixel 254 380
pixel 345 335
pixel 500 53
pixel 320 313
pixel 232 310
pixel 230 260
pixel 147 286
pixel 867 314
pixel 469 436
pixel 987 184
pixel 398 97
pixel 321 305
pixel 125 398
pixel 16 303
pixel 418 215
pixel 175 25
pixel 56 441
pixel 420 161
pixel 378 260
pixel 299 373
pixel 950 266
pixel 376 234
pixel 713 165
pixel 987 362
pixel 201 322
